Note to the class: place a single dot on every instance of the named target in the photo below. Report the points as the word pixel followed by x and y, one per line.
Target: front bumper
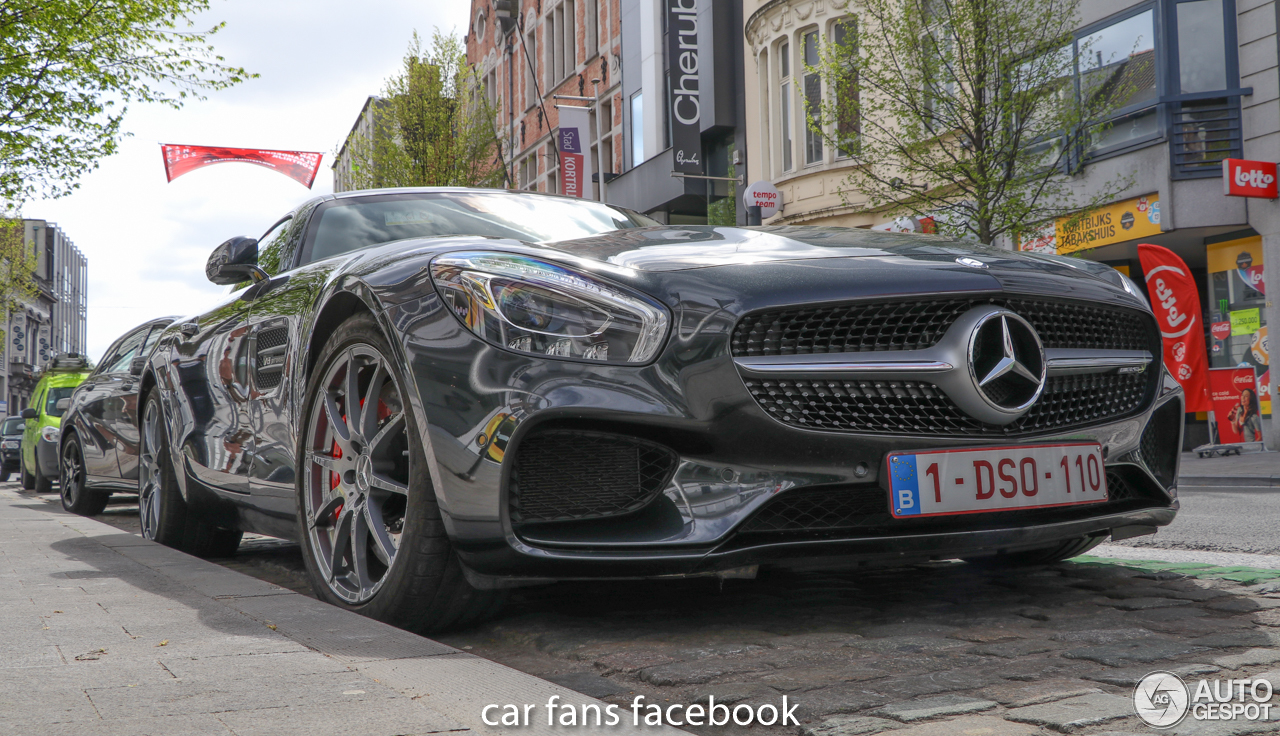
pixel 47 458
pixel 733 459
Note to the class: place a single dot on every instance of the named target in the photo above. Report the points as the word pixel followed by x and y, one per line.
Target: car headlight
pixel 1133 289
pixel 541 308
pixel 50 434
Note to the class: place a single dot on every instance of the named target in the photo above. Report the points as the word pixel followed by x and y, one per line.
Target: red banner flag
pixel 301 166
pixel 1177 308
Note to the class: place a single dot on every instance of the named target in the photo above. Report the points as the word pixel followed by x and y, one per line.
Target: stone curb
pixel 1232 481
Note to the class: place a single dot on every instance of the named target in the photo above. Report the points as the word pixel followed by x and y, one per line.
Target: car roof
pixel 59 380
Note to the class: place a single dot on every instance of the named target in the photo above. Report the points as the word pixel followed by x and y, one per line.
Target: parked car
pixel 49 400
pixel 676 400
pixel 10 446
pixel 99 450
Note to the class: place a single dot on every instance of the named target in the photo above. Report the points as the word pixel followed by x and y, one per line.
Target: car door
pixel 101 410
pixel 125 424
pixel 210 368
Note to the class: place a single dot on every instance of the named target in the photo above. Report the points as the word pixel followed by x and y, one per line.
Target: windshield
pixel 12 426
pixel 56 394
pixel 345 225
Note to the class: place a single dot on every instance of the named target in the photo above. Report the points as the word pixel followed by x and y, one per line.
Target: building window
pixel 1202 55
pixel 1119 62
pixel 591 24
pixel 784 104
pixel 637 129
pixel 561 42
pixel 812 100
pixel 766 134
pixel 844 35
pixel 530 79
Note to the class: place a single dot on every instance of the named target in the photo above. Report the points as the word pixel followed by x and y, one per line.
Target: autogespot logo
pixel 1162 700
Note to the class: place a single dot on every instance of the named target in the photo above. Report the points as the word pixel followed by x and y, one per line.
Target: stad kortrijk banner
pixel 301 166
pixel 575 154
pixel 1177 307
pixel 1234 392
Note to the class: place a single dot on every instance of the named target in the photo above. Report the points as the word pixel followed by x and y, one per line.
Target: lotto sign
pixel 1244 178
pixel 575 155
pixel 764 195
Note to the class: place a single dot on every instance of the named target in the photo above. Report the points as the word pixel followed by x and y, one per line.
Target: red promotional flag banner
pixel 301 166
pixel 1177 308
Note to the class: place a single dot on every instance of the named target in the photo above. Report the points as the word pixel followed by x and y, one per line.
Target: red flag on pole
pixel 301 166
pixel 1177 308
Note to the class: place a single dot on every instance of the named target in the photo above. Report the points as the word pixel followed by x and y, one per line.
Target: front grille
pixel 563 475
pixel 914 325
pixel 865 509
pixel 914 407
pixel 270 357
pixel 1159 448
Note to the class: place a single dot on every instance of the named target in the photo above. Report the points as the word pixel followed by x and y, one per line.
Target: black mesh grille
pixel 568 475
pixel 1159 448
pixel 866 509
pixel 912 407
pixel 270 358
pixel 898 325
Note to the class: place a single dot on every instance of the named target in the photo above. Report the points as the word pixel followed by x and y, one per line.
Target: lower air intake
pixel 563 475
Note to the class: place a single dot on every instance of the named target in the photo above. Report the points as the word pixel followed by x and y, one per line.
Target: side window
pixel 123 355
pixel 271 246
pixel 152 337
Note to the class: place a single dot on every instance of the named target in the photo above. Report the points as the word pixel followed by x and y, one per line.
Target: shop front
pixel 1225 261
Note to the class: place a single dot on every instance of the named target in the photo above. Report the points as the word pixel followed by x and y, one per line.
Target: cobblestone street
pixel 944 648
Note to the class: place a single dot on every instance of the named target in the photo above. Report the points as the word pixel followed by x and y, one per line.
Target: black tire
pixel 1043 556
pixel 44 484
pixel 76 497
pixel 4 476
pixel 162 512
pixel 375 484
pixel 28 482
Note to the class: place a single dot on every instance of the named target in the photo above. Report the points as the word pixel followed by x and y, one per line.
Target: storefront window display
pixel 1238 323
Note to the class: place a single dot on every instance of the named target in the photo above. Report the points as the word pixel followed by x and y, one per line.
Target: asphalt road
pixel 1222 520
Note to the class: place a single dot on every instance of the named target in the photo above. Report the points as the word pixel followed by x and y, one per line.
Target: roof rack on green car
pixel 68 363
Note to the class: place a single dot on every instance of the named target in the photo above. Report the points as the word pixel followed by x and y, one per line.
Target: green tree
pixel 69 70
pixel 17 269
pixel 976 112
pixel 434 125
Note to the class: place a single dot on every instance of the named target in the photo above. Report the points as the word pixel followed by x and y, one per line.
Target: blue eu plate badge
pixel 906 485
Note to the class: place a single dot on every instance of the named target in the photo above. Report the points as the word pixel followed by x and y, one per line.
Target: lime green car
pixel 39 464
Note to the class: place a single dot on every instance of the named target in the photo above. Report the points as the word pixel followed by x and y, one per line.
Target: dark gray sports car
pixel 442 393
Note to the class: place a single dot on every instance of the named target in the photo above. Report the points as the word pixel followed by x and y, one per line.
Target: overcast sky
pixel 147 240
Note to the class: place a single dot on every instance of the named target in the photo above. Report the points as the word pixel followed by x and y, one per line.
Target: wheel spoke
pixel 324 461
pixel 336 422
pixel 383 547
pixel 369 410
pixel 386 484
pixel 354 410
pixel 394 423
pixel 360 553
pixel 324 515
pixel 341 541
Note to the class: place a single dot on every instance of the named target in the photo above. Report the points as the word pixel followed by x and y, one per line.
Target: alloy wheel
pixel 72 480
pixel 149 472
pixel 356 473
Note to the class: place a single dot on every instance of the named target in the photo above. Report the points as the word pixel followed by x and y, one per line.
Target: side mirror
pixel 63 404
pixel 137 364
pixel 30 413
pixel 234 261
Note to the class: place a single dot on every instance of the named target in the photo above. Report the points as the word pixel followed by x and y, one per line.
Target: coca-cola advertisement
pixel 1236 408
pixel 1177 308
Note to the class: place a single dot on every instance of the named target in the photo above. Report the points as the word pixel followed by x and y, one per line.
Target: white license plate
pixel 995 479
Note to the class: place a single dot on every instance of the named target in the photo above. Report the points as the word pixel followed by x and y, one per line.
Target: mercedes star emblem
pixel 1006 362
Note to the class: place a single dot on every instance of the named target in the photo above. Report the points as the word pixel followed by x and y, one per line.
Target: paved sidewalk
pixel 107 633
pixel 1253 469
